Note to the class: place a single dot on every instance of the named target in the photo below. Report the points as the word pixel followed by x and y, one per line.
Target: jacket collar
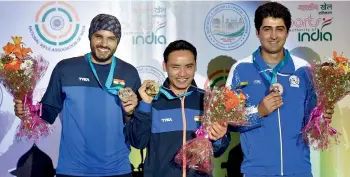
pixel 166 87
pixel 288 68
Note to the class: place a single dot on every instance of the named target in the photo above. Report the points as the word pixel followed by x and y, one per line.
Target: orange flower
pixel 339 59
pixel 231 99
pixel 21 51
pixel 8 48
pixel 25 51
pixel 14 65
pixel 16 48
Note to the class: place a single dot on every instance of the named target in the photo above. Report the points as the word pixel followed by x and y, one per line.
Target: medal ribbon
pixel 168 95
pixel 107 86
pixel 273 79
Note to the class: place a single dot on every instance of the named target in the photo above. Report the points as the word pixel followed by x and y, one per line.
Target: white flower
pixel 26 67
pixel 12 55
pixel 331 60
pixel 23 66
pixel 27 64
pixel 28 71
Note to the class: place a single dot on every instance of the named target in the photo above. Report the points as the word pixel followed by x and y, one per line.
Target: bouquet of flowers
pixel 331 80
pixel 19 74
pixel 220 105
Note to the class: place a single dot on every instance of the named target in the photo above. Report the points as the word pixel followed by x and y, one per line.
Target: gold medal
pixel 276 87
pixel 152 89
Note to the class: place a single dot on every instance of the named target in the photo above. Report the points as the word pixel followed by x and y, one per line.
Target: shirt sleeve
pixel 232 82
pixel 53 98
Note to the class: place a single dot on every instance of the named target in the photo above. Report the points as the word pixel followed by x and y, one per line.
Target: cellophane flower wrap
pixel 331 81
pixel 221 104
pixel 19 74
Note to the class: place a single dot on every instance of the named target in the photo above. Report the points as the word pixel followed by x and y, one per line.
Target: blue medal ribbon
pixel 168 95
pixel 107 86
pixel 271 79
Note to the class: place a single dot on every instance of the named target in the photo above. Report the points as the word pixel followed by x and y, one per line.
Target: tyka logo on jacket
pixel 167 120
pixel 84 79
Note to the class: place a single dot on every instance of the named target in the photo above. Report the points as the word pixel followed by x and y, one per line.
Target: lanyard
pixel 168 95
pixel 278 67
pixel 107 87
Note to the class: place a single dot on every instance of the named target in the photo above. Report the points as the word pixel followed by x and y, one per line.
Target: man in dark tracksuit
pixel 163 124
pixel 83 90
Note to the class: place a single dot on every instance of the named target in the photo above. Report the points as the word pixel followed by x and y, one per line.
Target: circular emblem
pixel 57 23
pixel 227 26
pixel 294 80
pixel 151 73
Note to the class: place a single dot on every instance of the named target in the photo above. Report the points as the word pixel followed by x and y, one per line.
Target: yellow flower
pixel 17 39
pixel 344 67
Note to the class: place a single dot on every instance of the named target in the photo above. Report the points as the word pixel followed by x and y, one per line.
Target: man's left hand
pixel 328 113
pixel 217 131
pixel 130 105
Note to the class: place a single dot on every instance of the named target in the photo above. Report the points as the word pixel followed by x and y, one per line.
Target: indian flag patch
pixel 118 83
pixel 197 118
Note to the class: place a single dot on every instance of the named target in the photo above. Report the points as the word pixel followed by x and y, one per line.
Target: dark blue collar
pixel 167 92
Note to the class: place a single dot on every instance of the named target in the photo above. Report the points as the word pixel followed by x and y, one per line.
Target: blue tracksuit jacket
pixel 273 145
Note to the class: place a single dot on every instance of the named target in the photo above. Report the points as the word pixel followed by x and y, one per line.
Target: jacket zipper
pixel 183 136
pixel 280 131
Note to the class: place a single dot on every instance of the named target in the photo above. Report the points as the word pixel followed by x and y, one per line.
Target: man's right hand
pixel 142 91
pixel 269 104
pixel 19 109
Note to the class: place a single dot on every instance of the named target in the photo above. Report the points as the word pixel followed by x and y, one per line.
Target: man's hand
pixel 142 91
pixel 217 131
pixel 328 113
pixel 19 108
pixel 130 105
pixel 269 104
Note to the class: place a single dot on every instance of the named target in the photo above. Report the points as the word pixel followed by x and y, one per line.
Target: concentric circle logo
pixel 57 26
pixel 151 73
pixel 227 26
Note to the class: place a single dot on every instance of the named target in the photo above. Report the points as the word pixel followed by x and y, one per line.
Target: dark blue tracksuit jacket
pixel 92 138
pixel 164 126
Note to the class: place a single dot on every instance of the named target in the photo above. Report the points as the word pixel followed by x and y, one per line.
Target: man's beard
pixel 99 59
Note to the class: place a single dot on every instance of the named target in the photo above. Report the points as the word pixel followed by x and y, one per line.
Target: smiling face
pixel 103 45
pixel 181 68
pixel 272 35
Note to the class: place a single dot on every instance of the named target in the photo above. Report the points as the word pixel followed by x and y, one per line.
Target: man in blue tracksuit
pixel 164 124
pixel 281 96
pixel 84 91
